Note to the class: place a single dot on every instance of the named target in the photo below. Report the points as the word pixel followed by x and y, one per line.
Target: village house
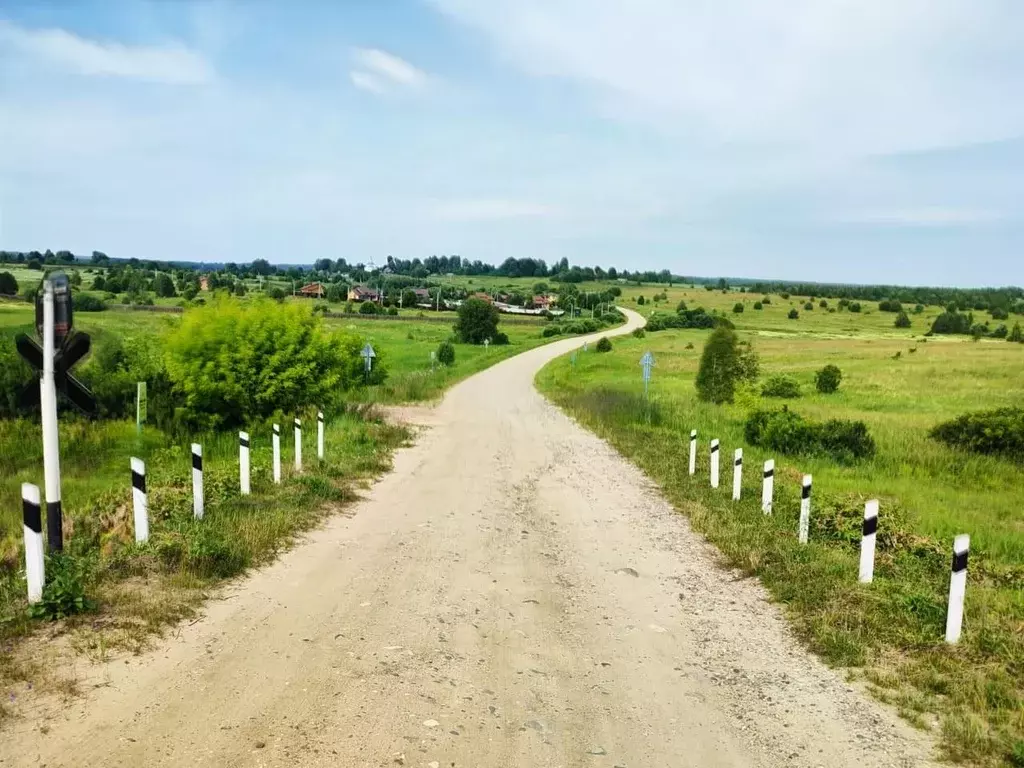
pixel 312 291
pixel 362 293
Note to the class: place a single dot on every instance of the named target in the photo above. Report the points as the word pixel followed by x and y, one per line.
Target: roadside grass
pixel 139 590
pixel 889 632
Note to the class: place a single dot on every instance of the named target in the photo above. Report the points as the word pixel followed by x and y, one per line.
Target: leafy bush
pixel 793 314
pixel 114 369
pixel 478 320
pixel 809 306
pixel 855 306
pixel 446 353
pixel 723 365
pixel 8 284
pixel 738 307
pixel 275 293
pixel 788 432
pixel 393 311
pixel 781 386
pixel 823 304
pixel 951 321
pixel 232 364
pixel 367 308
pixel 641 300
pixel 689 318
pixel 902 320
pixel 1017 334
pixel 890 305
pixel 1000 431
pixel 681 306
pixel 827 379
pixel 766 300
pixel 86 302
pixel 64 592
pixel 500 338
pixel 551 330
pixel 998 313
pixel 757 305
pixel 336 293
pixel 639 333
pixel 604 344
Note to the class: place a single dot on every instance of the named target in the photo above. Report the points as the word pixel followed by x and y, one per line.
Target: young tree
pixel 478 320
pixel 902 320
pixel 793 314
pixel 446 353
pixel 722 367
pixel 163 286
pixel 1016 334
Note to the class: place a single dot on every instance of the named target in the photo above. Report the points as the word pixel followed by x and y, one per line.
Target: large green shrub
pixel 902 320
pixel 952 321
pixel 890 305
pixel 87 302
pixel 367 308
pixel 780 386
pixel 232 363
pixel 478 320
pixel 793 314
pixel 723 365
pixel 446 353
pixel 789 432
pixel 827 379
pixel 604 344
pixel 8 284
pixel 994 432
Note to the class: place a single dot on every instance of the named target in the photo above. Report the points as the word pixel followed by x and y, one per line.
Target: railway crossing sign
pixel 68 349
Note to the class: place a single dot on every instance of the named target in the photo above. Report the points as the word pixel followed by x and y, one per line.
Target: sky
pixel 831 140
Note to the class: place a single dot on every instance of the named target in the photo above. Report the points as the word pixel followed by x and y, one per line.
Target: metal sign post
pixel 368 355
pixel 647 363
pixel 141 403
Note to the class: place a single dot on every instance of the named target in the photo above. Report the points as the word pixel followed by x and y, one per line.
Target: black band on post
pixel 806 492
pixel 138 481
pixel 243 442
pixel 30 515
pixel 714 449
pixel 197 462
pixel 54 526
pixel 769 473
pixel 277 429
pixel 870 525
pixel 959 561
pixel 739 462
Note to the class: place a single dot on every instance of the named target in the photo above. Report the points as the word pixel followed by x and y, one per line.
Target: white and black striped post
pixel 140 503
pixel 197 481
pixel 320 435
pixel 957 588
pixel 48 421
pixel 867 543
pixel 714 463
pixel 693 452
pixel 768 487
pixel 737 474
pixel 243 462
pixel 805 509
pixel 277 453
pixel 35 565
pixel 298 445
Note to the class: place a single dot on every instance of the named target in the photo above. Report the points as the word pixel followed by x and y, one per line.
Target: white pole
pixel 298 445
pixel 957 588
pixel 35 565
pixel 714 463
pixel 243 462
pixel 805 509
pixel 768 488
pixel 197 481
pixel 867 543
pixel 737 474
pixel 320 435
pixel 51 446
pixel 139 501
pixel 277 453
pixel 693 451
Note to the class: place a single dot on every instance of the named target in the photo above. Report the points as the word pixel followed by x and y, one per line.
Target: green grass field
pixel 891 630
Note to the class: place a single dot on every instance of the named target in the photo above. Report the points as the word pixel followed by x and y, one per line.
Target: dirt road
pixel 512 594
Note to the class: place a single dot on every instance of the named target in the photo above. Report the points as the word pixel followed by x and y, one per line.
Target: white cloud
pixel 367 82
pixel 850 75
pixel 921 217
pixel 489 210
pixel 170 63
pixel 379 71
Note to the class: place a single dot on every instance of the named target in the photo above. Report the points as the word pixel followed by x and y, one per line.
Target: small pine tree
pixel 604 344
pixel 827 379
pixel 1016 334
pixel 738 307
pixel 446 353
pixel 793 314
pixel 722 367
pixel 902 320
